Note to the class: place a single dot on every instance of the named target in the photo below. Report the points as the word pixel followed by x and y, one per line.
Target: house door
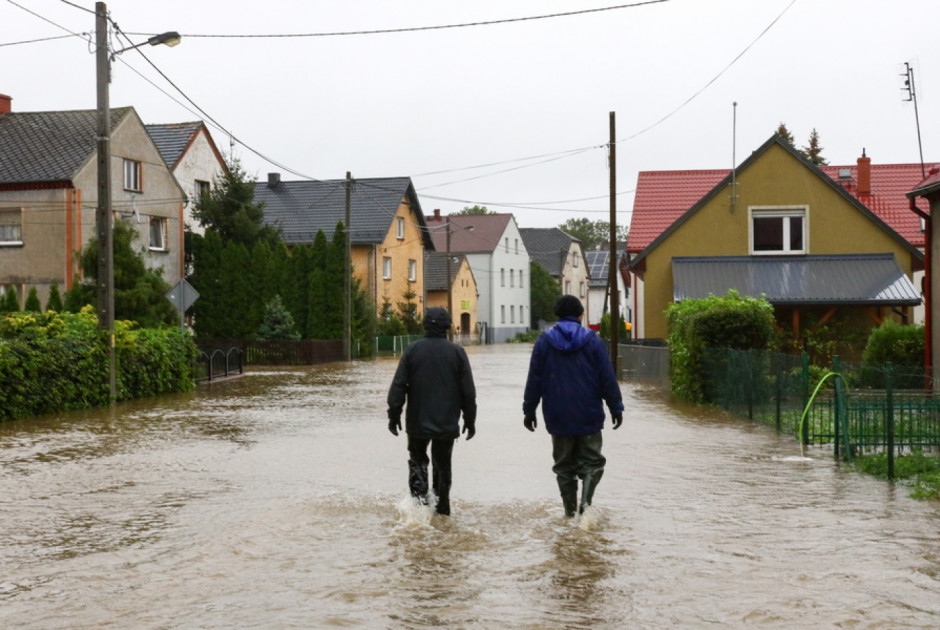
pixel 465 323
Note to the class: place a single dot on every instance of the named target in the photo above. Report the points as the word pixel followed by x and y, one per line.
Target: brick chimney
pixel 6 104
pixel 437 214
pixel 274 179
pixel 864 174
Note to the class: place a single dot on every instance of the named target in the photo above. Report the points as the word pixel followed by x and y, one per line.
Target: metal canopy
pixel 851 279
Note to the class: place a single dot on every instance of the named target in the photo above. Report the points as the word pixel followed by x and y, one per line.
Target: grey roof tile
pixel 302 208
pixel 548 247
pixel 48 146
pixel 172 139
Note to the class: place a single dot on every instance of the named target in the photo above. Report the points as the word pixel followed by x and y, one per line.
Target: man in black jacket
pixel 434 377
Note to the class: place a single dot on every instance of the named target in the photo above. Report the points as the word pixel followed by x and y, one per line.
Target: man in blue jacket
pixel 570 373
pixel 434 377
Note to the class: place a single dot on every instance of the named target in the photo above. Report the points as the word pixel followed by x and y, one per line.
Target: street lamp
pixel 103 216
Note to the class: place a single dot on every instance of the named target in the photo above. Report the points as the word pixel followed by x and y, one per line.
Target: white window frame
pixel 521 276
pixel 412 270
pixel 575 258
pixel 785 213
pixel 582 290
pixel 512 313
pixel 400 228
pixel 201 188
pixel 502 276
pixel 506 244
pixel 133 175
pixel 567 287
pixel 11 227
pixel 502 313
pixel 387 268
pixel 158 234
pixel 512 278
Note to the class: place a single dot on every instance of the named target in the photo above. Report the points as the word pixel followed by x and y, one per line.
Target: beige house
pixel 389 234
pixel 562 256
pixel 195 161
pixel 49 190
pixel 462 298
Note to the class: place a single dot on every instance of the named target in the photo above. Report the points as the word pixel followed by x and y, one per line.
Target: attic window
pixel 132 175
pixel 778 231
pixel 400 227
pixel 845 173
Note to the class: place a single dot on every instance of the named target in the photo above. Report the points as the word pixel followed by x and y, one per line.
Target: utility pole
pixel 347 275
pixel 450 286
pixel 912 96
pixel 103 216
pixel 613 267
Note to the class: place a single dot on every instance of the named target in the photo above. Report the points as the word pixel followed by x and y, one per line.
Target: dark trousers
pixel 577 457
pixel 441 451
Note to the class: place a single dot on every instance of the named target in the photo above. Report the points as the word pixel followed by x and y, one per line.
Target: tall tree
pixel 139 292
pixel 475 210
pixel 813 152
pixel 543 293
pixel 55 299
pixel 593 234
pixel 784 133
pixel 231 211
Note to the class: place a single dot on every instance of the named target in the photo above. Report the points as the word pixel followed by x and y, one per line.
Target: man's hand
pixel 470 428
pixel 530 423
pixel 617 420
pixel 394 422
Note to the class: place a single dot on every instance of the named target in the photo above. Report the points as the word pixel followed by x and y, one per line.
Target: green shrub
pixel 697 327
pixel 902 346
pixel 51 362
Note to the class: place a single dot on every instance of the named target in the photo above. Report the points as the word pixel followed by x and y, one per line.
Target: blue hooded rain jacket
pixel 571 375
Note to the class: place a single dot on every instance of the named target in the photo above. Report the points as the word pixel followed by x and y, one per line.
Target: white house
pixel 497 255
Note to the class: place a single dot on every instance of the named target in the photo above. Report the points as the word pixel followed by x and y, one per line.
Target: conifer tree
pixel 813 151
pixel 277 323
pixel 10 303
pixel 54 303
pixel 33 305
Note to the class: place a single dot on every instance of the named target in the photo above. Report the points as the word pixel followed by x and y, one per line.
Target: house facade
pixel 498 258
pixel 461 300
pixel 387 228
pixel 598 302
pixel 776 226
pixel 49 191
pixel 192 156
pixel 562 256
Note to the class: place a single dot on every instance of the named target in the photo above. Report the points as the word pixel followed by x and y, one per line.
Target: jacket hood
pixel 568 334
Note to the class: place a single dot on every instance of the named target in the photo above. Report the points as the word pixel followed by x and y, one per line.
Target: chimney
pixel 6 104
pixel 273 180
pixel 864 174
pixel 437 214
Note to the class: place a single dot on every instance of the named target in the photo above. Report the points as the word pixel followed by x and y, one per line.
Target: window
pixel 512 314
pixel 567 287
pixel 520 278
pixel 506 244
pixel 517 245
pixel 502 277
pixel 778 230
pixel 386 268
pixel 400 227
pixel 132 175
pixel 581 290
pixel 502 313
pixel 11 226
pixel 575 259
pixel 512 278
pixel 202 189
pixel 412 270
pixel 158 234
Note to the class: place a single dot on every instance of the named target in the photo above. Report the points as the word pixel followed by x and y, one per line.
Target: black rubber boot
pixel 418 480
pixel 587 488
pixel 569 495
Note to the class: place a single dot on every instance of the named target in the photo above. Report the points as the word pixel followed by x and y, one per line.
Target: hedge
pixel 51 362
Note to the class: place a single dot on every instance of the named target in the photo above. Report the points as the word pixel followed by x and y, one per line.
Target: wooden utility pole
pixel 347 275
pixel 613 267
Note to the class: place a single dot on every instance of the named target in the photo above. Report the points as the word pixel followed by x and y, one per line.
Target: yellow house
pixel 388 230
pixel 779 227
pixel 462 297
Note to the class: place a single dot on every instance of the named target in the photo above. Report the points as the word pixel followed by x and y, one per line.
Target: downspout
pixel 927 290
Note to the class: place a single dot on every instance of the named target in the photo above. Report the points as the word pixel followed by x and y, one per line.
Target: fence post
pixel 777 361
pixel 805 383
pixel 837 408
pixel 889 417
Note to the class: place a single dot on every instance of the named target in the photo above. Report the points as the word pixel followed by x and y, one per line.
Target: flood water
pixel 278 500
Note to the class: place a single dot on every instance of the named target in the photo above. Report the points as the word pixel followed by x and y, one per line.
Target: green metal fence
pixel 855 408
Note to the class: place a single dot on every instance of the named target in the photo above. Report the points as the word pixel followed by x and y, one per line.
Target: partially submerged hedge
pixel 50 362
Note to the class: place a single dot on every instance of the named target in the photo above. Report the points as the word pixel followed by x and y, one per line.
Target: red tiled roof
pixel 664 196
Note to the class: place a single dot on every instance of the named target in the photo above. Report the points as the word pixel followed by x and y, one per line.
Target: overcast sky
pixel 511 115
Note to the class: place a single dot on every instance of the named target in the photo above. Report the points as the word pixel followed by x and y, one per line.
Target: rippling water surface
pixel 278 500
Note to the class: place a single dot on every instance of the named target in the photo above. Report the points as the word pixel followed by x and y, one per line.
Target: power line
pixel 414 29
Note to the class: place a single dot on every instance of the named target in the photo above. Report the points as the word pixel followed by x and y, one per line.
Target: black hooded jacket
pixel 434 377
